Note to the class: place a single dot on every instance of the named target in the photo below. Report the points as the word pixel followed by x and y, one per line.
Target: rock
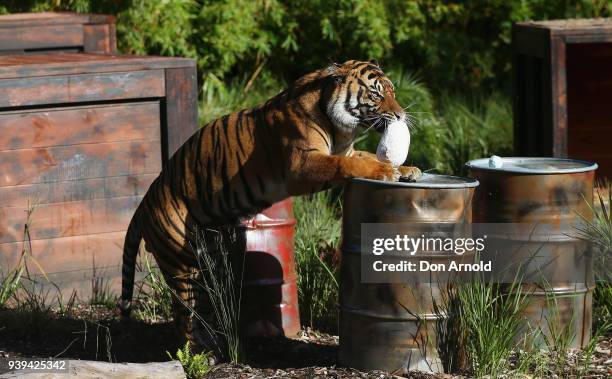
pixel 104 370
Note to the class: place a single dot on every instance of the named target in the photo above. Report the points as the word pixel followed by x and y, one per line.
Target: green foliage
pixel 218 98
pixel 473 128
pixel 220 279
pixel 157 27
pixel 447 133
pixel 316 239
pixel 602 307
pixel 154 297
pixel 485 321
pixel 597 229
pixel 195 365
pixel 453 44
pixel 10 283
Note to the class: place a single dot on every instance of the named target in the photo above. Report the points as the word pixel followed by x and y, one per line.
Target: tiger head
pixel 361 96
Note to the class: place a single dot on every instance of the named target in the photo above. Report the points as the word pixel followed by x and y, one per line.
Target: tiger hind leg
pixel 191 319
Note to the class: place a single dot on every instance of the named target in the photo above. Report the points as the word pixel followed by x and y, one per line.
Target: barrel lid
pixel 426 181
pixel 526 165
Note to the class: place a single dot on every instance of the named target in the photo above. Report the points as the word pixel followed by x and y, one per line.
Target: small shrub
pixel 195 365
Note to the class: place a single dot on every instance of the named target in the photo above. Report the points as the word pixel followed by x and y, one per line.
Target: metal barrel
pixel 270 297
pixel 391 326
pixel 549 194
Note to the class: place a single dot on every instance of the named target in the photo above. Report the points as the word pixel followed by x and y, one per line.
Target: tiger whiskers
pixel 412 118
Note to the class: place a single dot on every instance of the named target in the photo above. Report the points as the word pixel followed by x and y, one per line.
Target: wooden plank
pixel 78 125
pixel 53 18
pixel 40 37
pixel 68 219
pixel 81 88
pixel 181 116
pixel 73 190
pixel 99 38
pixel 68 254
pixel 55 164
pixel 83 63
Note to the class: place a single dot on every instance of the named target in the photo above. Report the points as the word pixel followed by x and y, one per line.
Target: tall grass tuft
pixel 101 293
pixel 493 319
pixel 221 281
pixel 10 283
pixel 598 231
pixel 316 239
pixel 154 297
pixel 479 322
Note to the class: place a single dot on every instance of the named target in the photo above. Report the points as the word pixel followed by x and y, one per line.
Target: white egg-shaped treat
pixel 394 144
pixel 496 162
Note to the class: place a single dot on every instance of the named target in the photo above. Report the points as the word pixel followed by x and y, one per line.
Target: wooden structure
pixel 562 89
pixel 82 136
pixel 36 33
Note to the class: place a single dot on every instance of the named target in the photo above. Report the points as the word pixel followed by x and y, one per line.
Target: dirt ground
pixel 96 333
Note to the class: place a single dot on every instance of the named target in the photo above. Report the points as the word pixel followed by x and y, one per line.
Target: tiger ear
pixel 374 62
pixel 333 68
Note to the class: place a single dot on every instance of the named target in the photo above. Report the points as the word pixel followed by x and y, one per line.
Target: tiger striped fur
pixel 298 142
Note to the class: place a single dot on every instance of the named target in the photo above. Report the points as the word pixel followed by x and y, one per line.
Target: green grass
pixel 316 239
pixel 598 230
pixel 219 98
pixel 10 282
pixel 478 326
pixel 221 281
pixel 154 297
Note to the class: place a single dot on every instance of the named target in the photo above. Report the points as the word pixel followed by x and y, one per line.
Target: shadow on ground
pixel 98 334
pixel 106 338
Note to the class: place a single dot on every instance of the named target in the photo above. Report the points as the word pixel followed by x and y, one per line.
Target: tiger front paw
pixel 386 172
pixel 410 173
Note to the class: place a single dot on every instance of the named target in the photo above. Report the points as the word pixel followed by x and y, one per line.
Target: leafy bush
pixel 195 365
pixel 458 44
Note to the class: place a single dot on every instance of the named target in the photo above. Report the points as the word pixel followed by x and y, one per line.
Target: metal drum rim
pixel 482 164
pixel 462 183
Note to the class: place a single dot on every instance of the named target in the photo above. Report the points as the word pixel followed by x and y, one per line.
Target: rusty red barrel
pixel 547 194
pixel 391 326
pixel 270 299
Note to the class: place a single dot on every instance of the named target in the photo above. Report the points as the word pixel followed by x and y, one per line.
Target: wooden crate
pixel 82 136
pixel 562 88
pixel 57 32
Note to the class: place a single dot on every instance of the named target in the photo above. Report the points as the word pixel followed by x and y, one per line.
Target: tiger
pixel 299 142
